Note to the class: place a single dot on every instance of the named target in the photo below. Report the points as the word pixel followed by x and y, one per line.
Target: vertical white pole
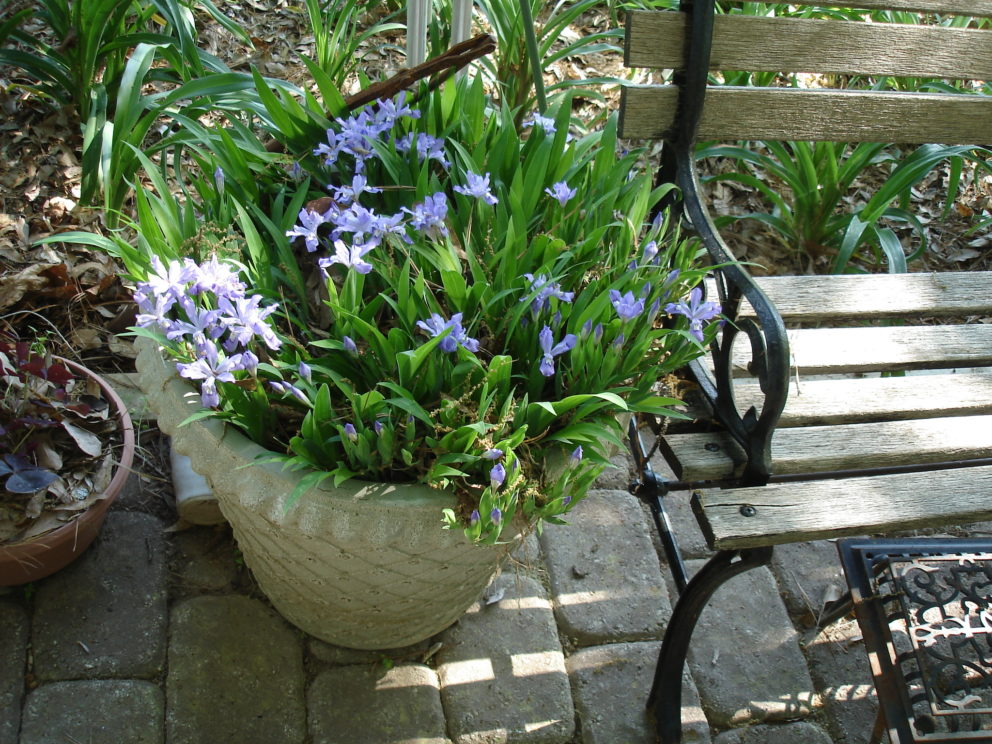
pixel 461 20
pixel 461 24
pixel 416 31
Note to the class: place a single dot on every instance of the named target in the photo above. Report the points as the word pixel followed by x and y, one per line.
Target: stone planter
pixel 366 565
pixel 41 556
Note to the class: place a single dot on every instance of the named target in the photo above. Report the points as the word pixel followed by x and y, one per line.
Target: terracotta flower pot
pixel 366 565
pixel 45 554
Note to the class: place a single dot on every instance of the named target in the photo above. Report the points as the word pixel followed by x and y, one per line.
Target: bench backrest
pixel 697 43
pixel 807 45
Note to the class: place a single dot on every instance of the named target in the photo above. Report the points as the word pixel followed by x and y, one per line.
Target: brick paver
pixel 105 614
pixel 94 710
pixel 605 577
pixel 745 655
pixel 235 674
pixel 13 659
pixel 502 670
pixel 371 704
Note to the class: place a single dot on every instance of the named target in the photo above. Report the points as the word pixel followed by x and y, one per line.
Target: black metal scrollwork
pixel 945 615
pixel 769 343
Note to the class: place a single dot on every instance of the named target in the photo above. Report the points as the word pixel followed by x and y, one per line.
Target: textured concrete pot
pixel 42 556
pixel 365 565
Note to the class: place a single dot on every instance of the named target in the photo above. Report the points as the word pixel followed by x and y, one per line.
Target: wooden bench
pixel 849 405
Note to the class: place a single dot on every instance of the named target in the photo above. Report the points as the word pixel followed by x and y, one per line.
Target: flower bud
pixel 497 475
pixel 576 457
pixel 350 432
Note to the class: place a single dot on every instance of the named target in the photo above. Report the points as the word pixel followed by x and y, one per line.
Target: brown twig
pixel 442 66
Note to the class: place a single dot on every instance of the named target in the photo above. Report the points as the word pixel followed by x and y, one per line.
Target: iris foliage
pixel 429 294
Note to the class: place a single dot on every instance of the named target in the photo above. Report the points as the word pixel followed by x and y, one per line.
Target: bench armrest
pixel 766 331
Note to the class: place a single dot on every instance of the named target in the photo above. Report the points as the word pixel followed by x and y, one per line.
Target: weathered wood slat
pixel 655 39
pixel 821 351
pixel 736 113
pixel 818 298
pixel 869 399
pixel 820 449
pixel 796 512
pixel 978 8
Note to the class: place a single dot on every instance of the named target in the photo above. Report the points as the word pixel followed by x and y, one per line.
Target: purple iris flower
pixel 497 475
pixel 428 147
pixel 352 256
pixel 695 310
pixel 350 432
pixel 355 219
pixel 493 454
pixel 576 457
pixel 388 112
pixel 429 216
pixel 544 122
pixel 546 340
pixel 649 253
pixel 290 389
pixel 329 149
pixel 305 372
pixel 201 325
pixel 170 281
pixel 349 194
pixel 436 325
pixel 154 310
pixel 561 192
pixel 478 186
pixel 307 229
pixel 245 320
pixel 496 515
pixel 218 277
pixel 249 361
pixel 627 306
pixel 210 368
pixel 546 289
pixel 349 345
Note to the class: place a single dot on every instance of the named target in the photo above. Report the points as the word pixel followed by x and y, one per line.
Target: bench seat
pixel 784 513
pixel 837 421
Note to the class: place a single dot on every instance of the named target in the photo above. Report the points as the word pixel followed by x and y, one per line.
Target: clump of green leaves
pixel 813 216
pixel 467 302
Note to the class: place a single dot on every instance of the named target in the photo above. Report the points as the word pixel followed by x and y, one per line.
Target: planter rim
pixel 401 494
pixel 25 560
pixel 124 465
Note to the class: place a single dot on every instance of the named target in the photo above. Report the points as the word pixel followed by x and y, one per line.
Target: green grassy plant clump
pixel 429 294
pixel 813 217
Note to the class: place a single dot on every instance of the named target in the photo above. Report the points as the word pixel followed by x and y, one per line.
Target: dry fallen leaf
pixel 13 287
pixel 87 441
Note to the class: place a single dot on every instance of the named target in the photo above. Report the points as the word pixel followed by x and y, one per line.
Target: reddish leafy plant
pixel 55 437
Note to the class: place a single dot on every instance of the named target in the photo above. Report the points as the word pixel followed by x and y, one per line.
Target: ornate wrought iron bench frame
pixel 753 502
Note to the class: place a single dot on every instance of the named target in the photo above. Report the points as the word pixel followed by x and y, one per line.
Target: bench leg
pixel 665 699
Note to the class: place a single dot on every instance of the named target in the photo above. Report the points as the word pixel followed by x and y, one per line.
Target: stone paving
pixel 159 635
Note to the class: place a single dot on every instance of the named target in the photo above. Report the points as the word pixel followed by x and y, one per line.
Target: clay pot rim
pixel 122 469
